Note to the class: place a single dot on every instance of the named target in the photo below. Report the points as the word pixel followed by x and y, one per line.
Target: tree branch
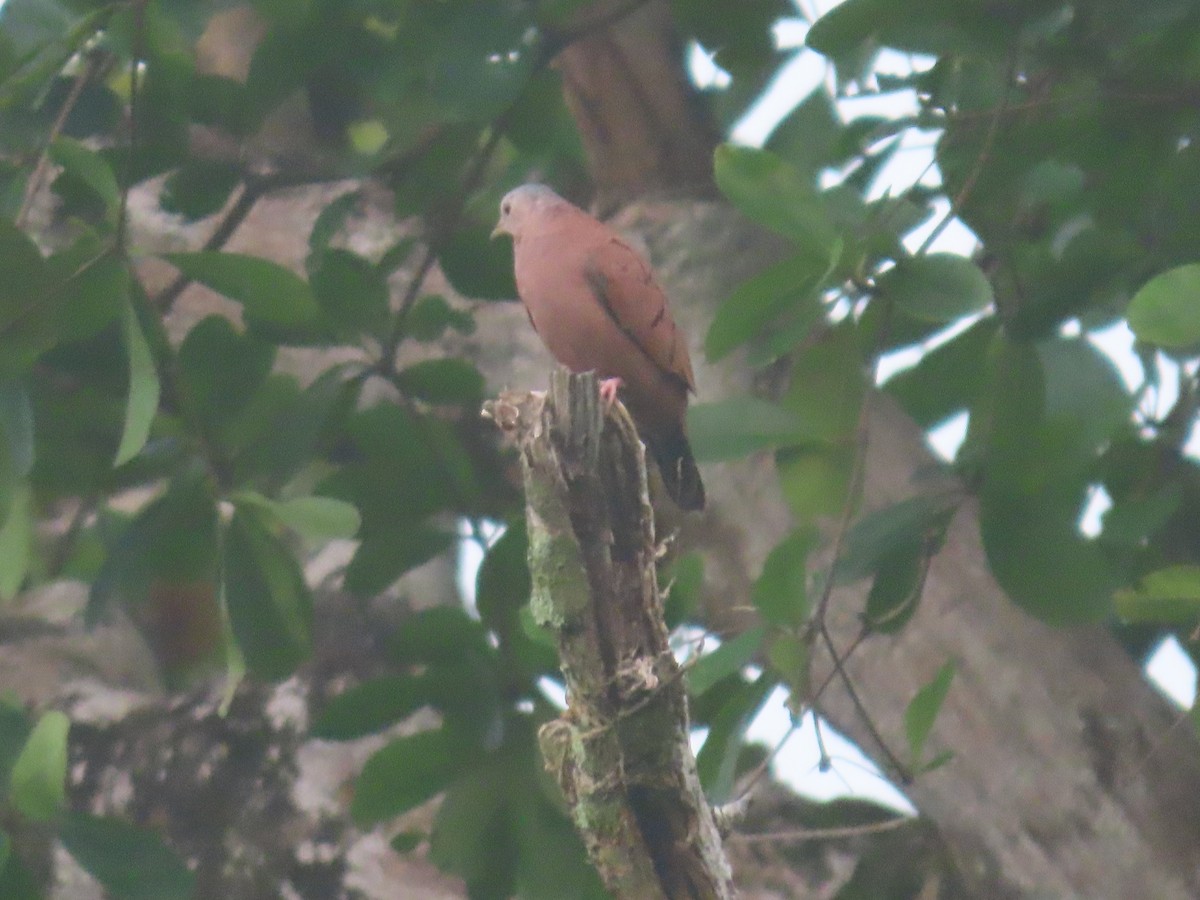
pixel 620 752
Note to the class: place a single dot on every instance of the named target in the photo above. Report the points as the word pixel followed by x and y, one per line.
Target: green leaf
pixel 25 330
pixel 896 590
pixel 484 57
pixel 470 836
pixel 222 369
pixel 777 196
pixel 828 385
pixel 92 294
pixel 923 710
pixel 199 188
pixel 790 286
pixel 404 774
pixel 131 862
pixel 432 315
pixel 900 526
pixel 444 381
pixel 39 776
pixel 940 287
pixel 1166 310
pixel 1037 556
pixel 352 292
pixel 728 659
pixel 385 555
pixel 685 580
pixel 371 707
pixel 316 518
pixel 89 167
pixel 144 390
pixel 172 539
pixel 1166 596
pixel 270 608
pixel 502 585
pixel 731 429
pixel 781 592
pixel 814 480
pixel 16 542
pixel 948 378
pixel 16 427
pixel 718 758
pixel 478 266
pixel 267 291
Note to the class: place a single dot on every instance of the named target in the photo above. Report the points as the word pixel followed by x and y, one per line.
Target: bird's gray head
pixel 521 203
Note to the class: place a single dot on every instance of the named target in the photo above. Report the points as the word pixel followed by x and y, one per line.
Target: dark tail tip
pixel 679 473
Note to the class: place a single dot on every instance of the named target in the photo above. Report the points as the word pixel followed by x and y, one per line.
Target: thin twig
pixel 824 834
pixel 60 121
pixel 985 152
pixel 135 93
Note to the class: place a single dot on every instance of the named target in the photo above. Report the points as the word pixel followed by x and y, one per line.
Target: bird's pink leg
pixel 608 391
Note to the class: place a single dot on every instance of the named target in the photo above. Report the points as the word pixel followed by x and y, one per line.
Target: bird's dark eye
pixel 506 208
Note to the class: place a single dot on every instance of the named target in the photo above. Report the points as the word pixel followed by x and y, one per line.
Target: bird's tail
pixel 673 454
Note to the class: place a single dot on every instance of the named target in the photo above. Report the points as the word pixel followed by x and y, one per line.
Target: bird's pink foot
pixel 608 391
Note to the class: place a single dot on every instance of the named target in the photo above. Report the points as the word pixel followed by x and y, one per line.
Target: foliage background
pixel 187 458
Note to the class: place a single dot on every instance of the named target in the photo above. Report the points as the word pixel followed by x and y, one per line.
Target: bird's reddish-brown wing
pixel 626 288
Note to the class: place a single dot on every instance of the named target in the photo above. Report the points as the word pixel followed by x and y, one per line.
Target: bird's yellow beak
pixel 498 230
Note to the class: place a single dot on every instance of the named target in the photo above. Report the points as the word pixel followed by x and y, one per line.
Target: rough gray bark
pixel 621 751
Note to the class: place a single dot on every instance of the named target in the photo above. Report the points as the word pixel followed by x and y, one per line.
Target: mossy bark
pixel 620 751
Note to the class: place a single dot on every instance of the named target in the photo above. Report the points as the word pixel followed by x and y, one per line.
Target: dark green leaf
pixel 199 188
pixel 270 608
pixel 404 774
pixel 383 556
pixel 37 784
pixel 948 378
pixel 432 315
pixel 352 292
pixel 828 382
pixel 371 707
pixel 1166 310
pixel 718 759
pixel 940 287
pixel 222 369
pixel 143 391
pixel 90 168
pixel 131 862
pixel 450 380
pixel 92 295
pixel 1037 556
pixel 478 266
pixel 172 539
pixel 898 527
pixel 470 835
pixel 268 292
pixel 484 56
pixel 331 221
pixel 896 590
pixel 25 329
pixel 791 285
pixel 775 195
pixel 729 659
pixel 923 710
pixel 814 479
pixel 1166 596
pixel 781 592
pixel 16 541
pixel 502 586
pixel 685 580
pixel 316 518
pixel 730 429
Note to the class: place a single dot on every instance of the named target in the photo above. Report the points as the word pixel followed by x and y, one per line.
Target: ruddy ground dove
pixel 596 306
